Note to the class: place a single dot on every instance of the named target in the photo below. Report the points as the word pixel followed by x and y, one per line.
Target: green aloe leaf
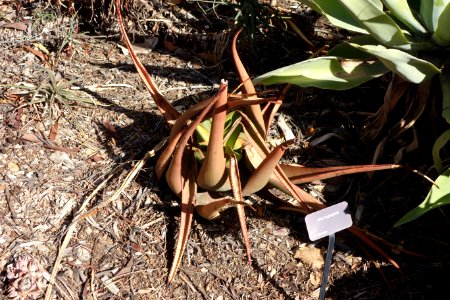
pixel 203 131
pixel 442 32
pixel 445 84
pixel 336 14
pixel 377 23
pixel 401 9
pixel 326 72
pixel 440 142
pixel 409 67
pixel 431 11
pixel 438 195
pixel 347 51
pixel 230 120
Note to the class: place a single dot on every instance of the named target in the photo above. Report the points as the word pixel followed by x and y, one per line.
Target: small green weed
pixel 53 96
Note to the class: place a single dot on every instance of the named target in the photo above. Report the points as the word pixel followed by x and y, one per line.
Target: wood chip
pixel 312 256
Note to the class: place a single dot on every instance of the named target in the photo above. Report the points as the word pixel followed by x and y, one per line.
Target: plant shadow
pixel 148 129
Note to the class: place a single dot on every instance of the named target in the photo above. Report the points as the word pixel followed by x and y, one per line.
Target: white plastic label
pixel 327 221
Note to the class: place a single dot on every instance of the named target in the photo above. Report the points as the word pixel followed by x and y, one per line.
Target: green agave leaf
pixel 445 84
pixel 347 51
pixel 438 195
pixel 409 67
pixel 431 11
pixel 377 23
pixel 440 142
pixel 442 32
pixel 336 14
pixel 326 72
pixel 401 9
pixel 426 11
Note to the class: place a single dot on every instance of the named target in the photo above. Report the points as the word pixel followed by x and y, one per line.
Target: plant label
pixel 327 221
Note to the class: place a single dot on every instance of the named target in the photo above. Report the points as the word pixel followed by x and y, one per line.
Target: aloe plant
pixel 211 140
pixel 414 45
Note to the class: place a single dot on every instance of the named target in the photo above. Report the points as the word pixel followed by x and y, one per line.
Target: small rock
pixel 13 167
pixel 311 256
pixel 31 175
pixel 281 231
pixel 83 254
pixel 62 158
pixel 11 176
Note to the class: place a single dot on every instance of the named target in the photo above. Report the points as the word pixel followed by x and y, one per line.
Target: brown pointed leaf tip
pixel 187 209
pixel 164 106
pixel 253 111
pixel 235 180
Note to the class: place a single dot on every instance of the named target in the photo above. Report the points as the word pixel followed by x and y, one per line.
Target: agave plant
pixel 213 140
pixel 409 38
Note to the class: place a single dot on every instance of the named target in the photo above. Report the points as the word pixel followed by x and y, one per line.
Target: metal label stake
pixel 326 222
pixel 326 269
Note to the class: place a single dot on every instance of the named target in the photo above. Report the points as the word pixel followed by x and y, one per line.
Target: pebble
pixel 13 167
pixel 281 231
pixel 83 254
pixel 62 158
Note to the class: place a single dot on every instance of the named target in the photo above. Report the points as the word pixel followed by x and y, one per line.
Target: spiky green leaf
pixel 431 11
pixel 442 32
pixel 401 9
pixel 408 66
pixel 440 142
pixel 345 50
pixel 336 14
pixel 379 24
pixel 445 84
pixel 438 195
pixel 325 72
